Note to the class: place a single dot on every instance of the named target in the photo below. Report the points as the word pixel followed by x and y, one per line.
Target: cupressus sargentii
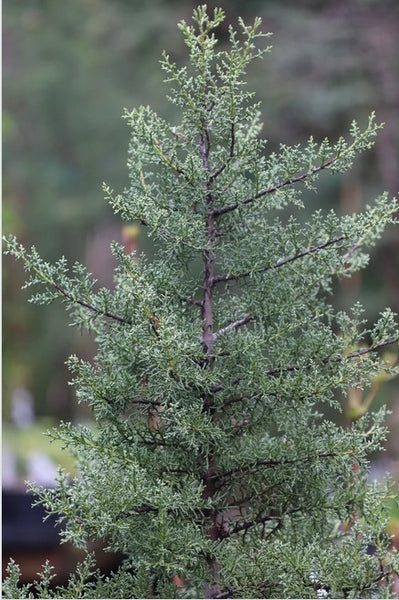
pixel 211 466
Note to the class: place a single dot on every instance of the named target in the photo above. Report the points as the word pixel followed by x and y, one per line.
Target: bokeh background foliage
pixel 71 67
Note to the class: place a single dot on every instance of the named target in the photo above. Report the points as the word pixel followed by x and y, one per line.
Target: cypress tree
pixel 211 465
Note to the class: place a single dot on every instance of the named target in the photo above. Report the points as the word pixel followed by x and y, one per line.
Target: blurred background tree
pixel 70 68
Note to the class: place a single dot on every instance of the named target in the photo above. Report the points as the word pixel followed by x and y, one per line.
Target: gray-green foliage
pixel 211 458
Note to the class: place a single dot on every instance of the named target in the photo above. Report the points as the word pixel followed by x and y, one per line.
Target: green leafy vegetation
pixel 212 466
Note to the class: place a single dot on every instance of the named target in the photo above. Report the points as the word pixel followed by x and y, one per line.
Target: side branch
pixel 144 402
pixel 336 359
pixel 264 585
pixel 299 178
pixel 246 525
pixel 91 307
pixel 219 387
pixel 258 521
pixel 169 162
pixel 231 326
pixel 277 371
pixel 230 157
pixel 280 263
pixel 222 480
pixel 30 266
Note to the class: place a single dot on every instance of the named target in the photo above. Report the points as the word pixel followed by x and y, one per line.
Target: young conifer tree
pixel 211 466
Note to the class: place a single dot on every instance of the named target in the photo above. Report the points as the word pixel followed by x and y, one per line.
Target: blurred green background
pixel 70 68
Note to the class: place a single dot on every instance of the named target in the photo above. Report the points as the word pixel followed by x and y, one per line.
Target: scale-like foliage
pixel 210 464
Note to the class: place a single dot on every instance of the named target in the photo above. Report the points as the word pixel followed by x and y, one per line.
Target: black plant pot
pixel 23 526
pixel 30 541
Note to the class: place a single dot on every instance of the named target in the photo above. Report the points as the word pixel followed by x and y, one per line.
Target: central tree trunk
pixel 211 589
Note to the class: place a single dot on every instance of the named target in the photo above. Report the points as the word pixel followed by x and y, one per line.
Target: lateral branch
pixel 90 306
pixel 337 359
pixel 280 263
pixel 231 153
pixel 257 521
pixel 273 188
pixel 277 463
pixel 234 325
pixel 334 359
pixel 144 508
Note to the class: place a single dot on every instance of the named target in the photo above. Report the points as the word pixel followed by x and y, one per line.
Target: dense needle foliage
pixel 210 458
